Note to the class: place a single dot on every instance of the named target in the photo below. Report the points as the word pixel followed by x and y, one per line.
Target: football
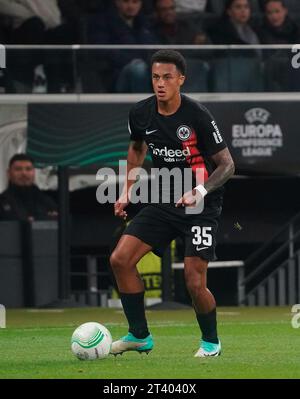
pixel 91 341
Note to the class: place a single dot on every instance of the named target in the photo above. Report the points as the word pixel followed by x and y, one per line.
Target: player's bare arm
pixel 136 154
pixel 224 170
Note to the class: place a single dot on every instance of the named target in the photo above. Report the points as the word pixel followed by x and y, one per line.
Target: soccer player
pixel 179 133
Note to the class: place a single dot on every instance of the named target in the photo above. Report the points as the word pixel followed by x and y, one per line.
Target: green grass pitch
pixel 257 343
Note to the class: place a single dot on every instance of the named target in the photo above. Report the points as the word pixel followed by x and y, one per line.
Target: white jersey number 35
pixel 202 235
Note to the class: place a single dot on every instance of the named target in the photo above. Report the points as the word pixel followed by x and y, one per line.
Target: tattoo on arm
pixel 223 172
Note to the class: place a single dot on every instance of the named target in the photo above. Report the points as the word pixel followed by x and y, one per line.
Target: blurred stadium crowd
pixel 202 22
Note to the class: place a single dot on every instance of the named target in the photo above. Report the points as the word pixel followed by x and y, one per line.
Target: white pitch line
pixel 45 310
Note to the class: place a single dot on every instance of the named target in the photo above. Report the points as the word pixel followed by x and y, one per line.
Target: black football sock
pixel 208 326
pixel 134 309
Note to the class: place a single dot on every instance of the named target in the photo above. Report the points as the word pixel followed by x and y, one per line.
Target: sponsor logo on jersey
pixel 184 132
pixel 165 152
pixel 217 135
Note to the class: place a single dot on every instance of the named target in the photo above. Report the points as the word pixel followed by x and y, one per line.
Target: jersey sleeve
pixel 136 134
pixel 211 137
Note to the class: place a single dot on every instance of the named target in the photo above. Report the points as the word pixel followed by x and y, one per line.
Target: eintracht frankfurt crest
pixel 184 133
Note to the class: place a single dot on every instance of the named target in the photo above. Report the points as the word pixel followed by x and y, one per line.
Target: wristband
pixel 201 190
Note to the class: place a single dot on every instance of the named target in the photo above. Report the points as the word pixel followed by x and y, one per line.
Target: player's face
pixel 276 13
pixel 21 173
pixel 166 80
pixel 240 11
pixel 129 8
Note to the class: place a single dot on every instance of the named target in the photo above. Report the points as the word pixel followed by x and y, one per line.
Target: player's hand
pixel 120 205
pixel 190 199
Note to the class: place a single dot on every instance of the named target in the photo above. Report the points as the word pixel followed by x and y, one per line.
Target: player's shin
pixel 208 326
pixel 134 309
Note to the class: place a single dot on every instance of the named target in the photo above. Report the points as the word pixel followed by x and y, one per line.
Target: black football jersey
pixel 185 139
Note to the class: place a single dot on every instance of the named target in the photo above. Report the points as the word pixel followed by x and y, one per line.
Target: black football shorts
pixel 158 225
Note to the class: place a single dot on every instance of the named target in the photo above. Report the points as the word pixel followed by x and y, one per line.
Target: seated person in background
pixel 170 30
pixel 292 5
pixel 124 24
pixel 23 200
pixel 42 21
pixel 236 70
pixel 278 27
pixel 235 27
pixel 39 22
pixel 28 15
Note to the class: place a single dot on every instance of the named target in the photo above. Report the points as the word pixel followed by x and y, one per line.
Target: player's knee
pixel 117 261
pixel 194 285
pixel 195 280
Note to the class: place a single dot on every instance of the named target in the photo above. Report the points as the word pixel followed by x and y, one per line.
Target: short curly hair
pixel 170 57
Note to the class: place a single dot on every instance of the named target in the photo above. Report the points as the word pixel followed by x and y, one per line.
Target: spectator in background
pixel 235 27
pixel 172 30
pixel 125 24
pixel 23 200
pixel 30 18
pixel 236 70
pixel 39 22
pixel 279 28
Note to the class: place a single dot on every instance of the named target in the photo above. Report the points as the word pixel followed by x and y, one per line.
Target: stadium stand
pixel 40 72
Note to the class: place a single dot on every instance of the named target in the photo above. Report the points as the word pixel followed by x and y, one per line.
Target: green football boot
pixel 130 343
pixel 208 349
